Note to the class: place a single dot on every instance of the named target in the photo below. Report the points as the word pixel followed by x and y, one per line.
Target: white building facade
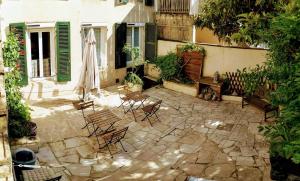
pixel 51 34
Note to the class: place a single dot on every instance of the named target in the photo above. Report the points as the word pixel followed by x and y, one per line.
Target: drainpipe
pixel 194 34
pixel 194 8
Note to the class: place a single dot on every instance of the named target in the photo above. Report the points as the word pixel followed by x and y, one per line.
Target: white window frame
pixel 51 30
pixel 141 27
pixel 103 43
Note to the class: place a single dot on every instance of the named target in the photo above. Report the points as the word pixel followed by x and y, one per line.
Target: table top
pixel 38 174
pixel 136 96
pixel 106 116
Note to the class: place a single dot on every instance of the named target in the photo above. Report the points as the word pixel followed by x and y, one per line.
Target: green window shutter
pixel 63 57
pixel 19 30
pixel 120 41
pixel 150 41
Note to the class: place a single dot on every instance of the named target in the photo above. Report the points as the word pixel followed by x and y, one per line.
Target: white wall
pixel 77 12
pixel 221 58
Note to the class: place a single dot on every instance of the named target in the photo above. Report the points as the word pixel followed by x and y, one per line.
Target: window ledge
pixel 43 78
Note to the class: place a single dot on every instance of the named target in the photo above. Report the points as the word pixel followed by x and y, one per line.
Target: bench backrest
pixel 237 85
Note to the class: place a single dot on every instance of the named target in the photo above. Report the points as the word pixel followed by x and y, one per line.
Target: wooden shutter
pixel 63 57
pixel 150 41
pixel 19 30
pixel 120 41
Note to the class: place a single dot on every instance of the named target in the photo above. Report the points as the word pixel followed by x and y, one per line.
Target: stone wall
pixel 5 154
pixel 221 58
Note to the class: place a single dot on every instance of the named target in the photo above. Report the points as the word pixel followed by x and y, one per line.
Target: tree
pixel 240 20
pixel 277 24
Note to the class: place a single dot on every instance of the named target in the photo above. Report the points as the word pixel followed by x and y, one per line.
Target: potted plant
pixel 132 80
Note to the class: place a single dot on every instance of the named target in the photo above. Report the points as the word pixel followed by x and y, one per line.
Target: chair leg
pixel 265 116
pixel 122 146
pixel 121 104
pixel 133 114
pixel 149 121
pixel 109 150
pixel 157 116
pixel 95 130
pixel 98 142
pixel 242 102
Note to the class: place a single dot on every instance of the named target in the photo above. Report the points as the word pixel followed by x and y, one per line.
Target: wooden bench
pixel 261 104
pixel 236 85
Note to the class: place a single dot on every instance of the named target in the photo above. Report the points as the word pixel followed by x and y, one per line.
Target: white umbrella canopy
pixel 89 77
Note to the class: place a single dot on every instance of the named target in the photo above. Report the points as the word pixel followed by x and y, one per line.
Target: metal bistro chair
pixel 151 110
pixel 83 106
pixel 125 98
pixel 113 138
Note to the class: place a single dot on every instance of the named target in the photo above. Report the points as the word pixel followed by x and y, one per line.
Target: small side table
pixel 40 174
pixel 208 81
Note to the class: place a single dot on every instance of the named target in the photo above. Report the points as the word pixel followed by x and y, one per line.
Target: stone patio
pixel 210 140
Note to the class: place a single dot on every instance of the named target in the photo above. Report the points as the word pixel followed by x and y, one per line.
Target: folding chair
pixel 113 138
pixel 124 98
pixel 150 110
pixel 83 105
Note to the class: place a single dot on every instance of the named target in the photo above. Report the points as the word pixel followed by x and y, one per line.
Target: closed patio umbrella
pixel 89 76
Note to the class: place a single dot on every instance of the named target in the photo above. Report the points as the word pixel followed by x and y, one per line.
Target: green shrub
pixel 275 24
pixel 137 60
pixel 18 111
pixel 169 66
pixel 282 69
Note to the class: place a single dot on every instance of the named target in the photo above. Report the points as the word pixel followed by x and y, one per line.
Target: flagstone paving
pixel 210 140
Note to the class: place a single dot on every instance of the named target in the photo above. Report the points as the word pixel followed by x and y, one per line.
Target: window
pixel 133 39
pixel 42 63
pixel 97 32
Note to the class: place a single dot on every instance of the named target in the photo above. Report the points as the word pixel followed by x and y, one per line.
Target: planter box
pixel 134 87
pixel 25 142
pixel 183 88
pixel 193 64
pixel 152 71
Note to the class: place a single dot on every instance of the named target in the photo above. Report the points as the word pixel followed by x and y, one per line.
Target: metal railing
pixel 173 6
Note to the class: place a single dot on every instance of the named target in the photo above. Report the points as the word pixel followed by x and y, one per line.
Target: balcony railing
pixel 173 6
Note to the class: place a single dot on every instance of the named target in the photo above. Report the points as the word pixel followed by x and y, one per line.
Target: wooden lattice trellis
pixel 235 83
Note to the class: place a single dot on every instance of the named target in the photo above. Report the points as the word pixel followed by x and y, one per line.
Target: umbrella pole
pixel 83 94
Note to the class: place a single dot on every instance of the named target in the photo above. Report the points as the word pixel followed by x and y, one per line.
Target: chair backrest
pixel 85 105
pixel 156 105
pixel 118 135
pixel 123 89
